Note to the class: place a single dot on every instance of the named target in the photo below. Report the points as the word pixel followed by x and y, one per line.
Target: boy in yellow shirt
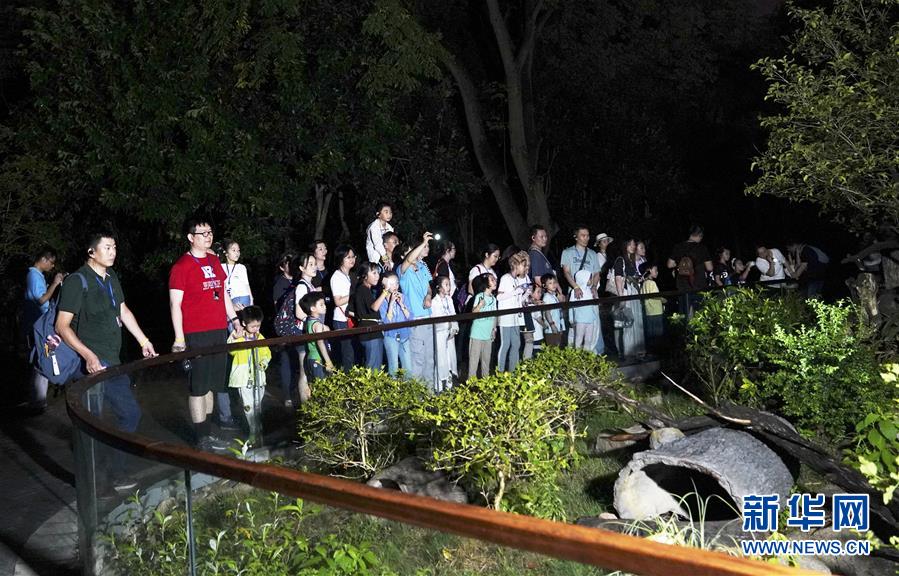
pixel 248 369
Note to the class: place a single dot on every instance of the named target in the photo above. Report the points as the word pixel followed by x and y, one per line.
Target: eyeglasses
pixel 204 233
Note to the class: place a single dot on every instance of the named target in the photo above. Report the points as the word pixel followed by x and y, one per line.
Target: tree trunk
pixel 491 166
pixel 500 491
pixel 322 204
pixel 344 229
pixel 524 150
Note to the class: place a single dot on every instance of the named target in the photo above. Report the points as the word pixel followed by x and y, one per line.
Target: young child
pixel 442 305
pixel 237 281
pixel 393 309
pixel 653 307
pixel 483 330
pixel 533 340
pixel 512 293
pixel 553 320
pixel 248 369
pixel 318 359
pixel 374 236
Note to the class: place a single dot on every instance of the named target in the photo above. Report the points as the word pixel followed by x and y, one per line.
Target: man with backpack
pixel 581 269
pixel 90 317
pixel 691 263
pixel 37 302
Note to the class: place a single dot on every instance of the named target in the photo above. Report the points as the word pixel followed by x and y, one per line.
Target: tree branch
pixel 503 38
pixel 534 25
pixel 490 165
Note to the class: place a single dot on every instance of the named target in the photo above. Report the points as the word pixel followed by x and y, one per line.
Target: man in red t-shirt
pixel 201 312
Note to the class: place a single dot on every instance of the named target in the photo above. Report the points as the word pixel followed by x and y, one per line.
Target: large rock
pixel 728 463
pixel 662 436
pixel 410 475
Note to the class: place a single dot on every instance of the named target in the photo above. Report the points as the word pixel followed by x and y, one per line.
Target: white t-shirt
pixel 511 294
pixel 479 269
pixel 340 286
pixel 237 282
pixel 442 306
pixel 762 265
pixel 538 328
pixel 374 240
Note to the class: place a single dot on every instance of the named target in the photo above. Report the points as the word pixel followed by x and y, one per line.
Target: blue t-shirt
pixel 482 328
pixel 35 288
pixel 414 284
pixel 398 316
pixel 540 265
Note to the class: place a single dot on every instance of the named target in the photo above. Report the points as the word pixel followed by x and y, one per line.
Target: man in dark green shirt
pixel 90 321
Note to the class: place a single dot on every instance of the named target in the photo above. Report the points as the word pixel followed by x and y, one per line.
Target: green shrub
pixel 262 535
pixel 498 431
pixel 810 361
pixel 876 452
pixel 357 423
pixel 572 367
pixel 729 338
pixel 824 374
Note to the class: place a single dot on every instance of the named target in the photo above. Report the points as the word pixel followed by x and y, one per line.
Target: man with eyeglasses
pixel 201 312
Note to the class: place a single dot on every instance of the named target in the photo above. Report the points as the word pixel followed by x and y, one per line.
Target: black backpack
pixel 286 322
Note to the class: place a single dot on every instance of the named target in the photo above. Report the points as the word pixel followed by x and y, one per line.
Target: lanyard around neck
pixel 108 288
pixel 197 260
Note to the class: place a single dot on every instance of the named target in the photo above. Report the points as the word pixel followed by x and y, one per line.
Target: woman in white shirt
pixel 512 293
pixel 237 281
pixel 489 258
pixel 345 258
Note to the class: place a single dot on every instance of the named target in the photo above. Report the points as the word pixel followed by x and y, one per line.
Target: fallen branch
pixel 702 403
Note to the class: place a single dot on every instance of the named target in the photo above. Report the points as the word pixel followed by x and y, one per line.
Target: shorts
pixel 208 373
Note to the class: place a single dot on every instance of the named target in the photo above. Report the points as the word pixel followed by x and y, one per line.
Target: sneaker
pixel 230 424
pixel 124 484
pixel 213 444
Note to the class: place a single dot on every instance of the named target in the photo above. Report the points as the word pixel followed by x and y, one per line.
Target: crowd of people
pixel 211 302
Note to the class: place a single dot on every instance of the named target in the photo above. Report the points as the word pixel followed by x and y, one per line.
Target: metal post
pixel 191 544
pixel 436 374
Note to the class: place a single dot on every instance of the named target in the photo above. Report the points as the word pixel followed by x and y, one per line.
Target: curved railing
pixel 596 547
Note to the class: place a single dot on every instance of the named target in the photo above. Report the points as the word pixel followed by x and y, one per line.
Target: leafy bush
pixel 810 361
pixel 876 452
pixel 497 431
pixel 825 373
pixel 572 367
pixel 357 422
pixel 262 536
pixel 730 337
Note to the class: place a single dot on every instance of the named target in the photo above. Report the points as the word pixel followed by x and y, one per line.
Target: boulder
pixel 662 436
pixel 705 475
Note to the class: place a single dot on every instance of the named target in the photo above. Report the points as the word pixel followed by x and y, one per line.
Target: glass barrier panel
pixel 132 512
